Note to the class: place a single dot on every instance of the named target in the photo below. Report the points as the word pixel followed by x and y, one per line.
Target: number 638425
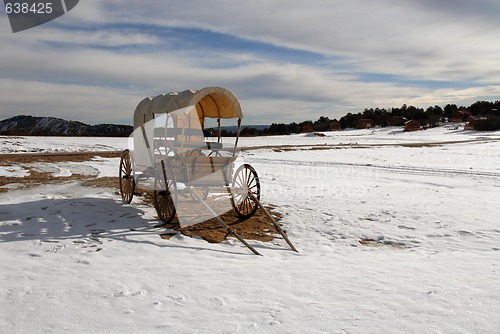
pixel 26 8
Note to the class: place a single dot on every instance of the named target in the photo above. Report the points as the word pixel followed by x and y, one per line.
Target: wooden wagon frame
pixel 171 148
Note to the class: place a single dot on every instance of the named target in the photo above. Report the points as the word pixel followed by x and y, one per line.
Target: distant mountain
pixel 51 126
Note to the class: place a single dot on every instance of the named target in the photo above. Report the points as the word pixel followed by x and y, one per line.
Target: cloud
pixel 285 62
pixel 386 36
pixel 75 102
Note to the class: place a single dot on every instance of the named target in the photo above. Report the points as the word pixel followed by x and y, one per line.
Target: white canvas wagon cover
pixel 212 102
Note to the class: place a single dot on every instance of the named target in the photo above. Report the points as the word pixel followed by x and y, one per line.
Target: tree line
pixel 430 117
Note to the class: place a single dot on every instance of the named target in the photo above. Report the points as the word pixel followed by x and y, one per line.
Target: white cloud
pixel 106 66
pixel 94 38
pixel 74 102
pixel 387 36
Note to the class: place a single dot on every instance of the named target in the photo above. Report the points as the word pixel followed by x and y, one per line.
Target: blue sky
pixel 285 60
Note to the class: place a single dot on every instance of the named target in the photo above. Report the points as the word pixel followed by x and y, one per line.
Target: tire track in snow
pixel 401 169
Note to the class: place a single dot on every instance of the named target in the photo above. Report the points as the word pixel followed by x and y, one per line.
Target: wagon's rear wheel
pixel 165 195
pixel 127 182
pixel 245 181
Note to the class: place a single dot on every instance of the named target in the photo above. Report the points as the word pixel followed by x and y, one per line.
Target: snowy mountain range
pixel 50 126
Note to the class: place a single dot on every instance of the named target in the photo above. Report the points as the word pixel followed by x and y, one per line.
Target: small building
pixel 483 123
pixel 459 116
pixel 335 126
pixel 307 128
pixel 364 123
pixel 412 125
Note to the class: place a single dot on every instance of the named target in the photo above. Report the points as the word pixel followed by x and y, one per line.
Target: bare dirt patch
pixel 382 243
pixel 34 179
pixel 258 227
pixel 102 182
pixel 56 157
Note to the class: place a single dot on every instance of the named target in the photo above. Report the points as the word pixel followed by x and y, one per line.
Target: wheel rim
pixel 245 178
pixel 164 205
pixel 165 197
pixel 127 183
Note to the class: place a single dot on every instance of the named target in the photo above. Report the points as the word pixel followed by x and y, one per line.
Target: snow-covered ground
pixel 392 239
pixel 19 144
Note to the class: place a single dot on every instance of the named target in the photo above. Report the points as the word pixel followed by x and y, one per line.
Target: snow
pixel 374 136
pixel 75 259
pixel 35 144
pixel 13 171
pixel 97 166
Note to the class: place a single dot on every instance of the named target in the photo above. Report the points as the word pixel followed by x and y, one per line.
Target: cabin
pixel 335 126
pixel 483 123
pixel 459 116
pixel 364 123
pixel 412 125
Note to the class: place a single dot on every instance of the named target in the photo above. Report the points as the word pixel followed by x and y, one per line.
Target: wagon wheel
pixel 165 195
pixel 127 182
pixel 245 178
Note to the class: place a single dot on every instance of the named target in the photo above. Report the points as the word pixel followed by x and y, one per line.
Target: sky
pixel 286 61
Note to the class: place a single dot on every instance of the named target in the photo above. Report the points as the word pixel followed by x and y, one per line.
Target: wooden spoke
pixel 165 194
pixel 245 181
pixel 126 178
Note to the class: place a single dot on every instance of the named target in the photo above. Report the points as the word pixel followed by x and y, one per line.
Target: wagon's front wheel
pixel 245 181
pixel 127 182
pixel 165 195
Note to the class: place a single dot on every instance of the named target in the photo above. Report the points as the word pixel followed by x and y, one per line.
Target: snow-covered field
pixel 396 233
